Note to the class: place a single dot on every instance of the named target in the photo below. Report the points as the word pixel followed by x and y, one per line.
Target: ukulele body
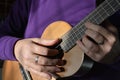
pixel 74 57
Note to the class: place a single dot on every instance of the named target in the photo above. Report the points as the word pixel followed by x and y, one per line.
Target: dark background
pixel 5 5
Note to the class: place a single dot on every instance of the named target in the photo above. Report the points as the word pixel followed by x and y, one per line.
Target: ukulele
pixel 77 61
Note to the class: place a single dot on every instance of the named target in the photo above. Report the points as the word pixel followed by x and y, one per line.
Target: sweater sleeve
pixel 12 28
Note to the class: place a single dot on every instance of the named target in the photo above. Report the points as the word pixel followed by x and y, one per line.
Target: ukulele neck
pixel 102 12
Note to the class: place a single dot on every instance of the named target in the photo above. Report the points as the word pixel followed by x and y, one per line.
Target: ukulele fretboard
pixel 102 12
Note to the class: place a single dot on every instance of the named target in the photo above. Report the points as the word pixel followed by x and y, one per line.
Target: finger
pixel 92 47
pixel 46 42
pixel 83 48
pixel 48 62
pixel 92 55
pixel 94 51
pixel 42 74
pixel 96 56
pixel 98 38
pixel 39 68
pixel 44 51
pixel 106 48
pixel 31 64
pixel 108 36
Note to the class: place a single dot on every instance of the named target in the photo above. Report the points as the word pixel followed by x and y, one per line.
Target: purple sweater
pixel 29 19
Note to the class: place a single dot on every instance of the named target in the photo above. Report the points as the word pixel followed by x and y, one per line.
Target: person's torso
pixel 45 12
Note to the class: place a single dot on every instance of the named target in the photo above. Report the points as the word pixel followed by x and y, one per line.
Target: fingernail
pixel 60 69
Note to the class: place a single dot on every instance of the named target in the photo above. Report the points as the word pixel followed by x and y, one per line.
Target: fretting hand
pixel 99 43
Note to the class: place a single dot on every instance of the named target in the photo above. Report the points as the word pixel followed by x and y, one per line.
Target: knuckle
pixel 108 49
pixel 113 38
pixel 45 51
pixel 55 62
pixel 44 62
pixel 99 28
pixel 36 49
pixel 97 35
